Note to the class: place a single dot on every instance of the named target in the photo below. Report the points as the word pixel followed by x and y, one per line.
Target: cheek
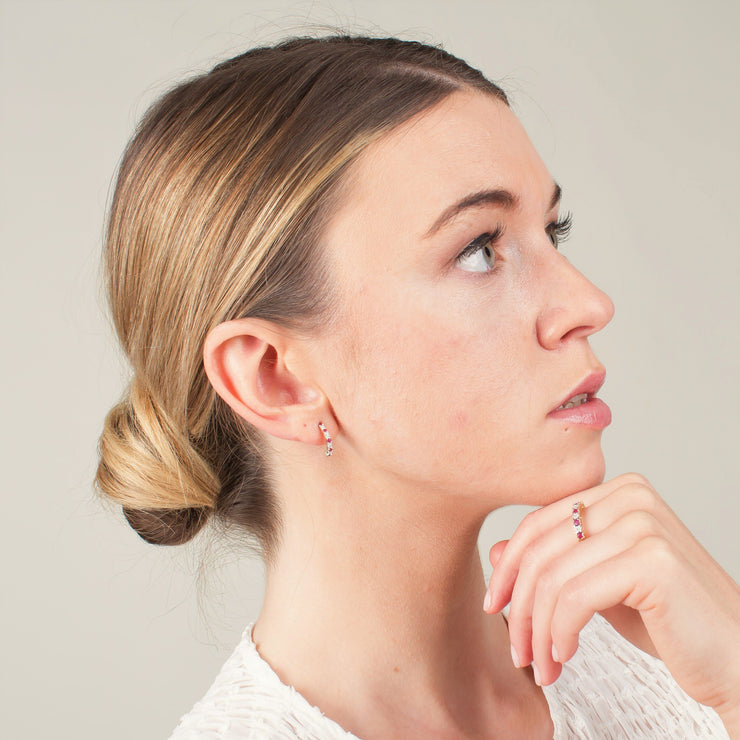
pixel 431 389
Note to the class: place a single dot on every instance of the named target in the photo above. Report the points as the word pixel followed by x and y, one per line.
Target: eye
pixel 480 255
pixel 558 231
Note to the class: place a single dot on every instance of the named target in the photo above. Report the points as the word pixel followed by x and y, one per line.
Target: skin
pixel 435 382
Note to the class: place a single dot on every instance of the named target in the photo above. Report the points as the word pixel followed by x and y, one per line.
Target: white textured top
pixel 608 690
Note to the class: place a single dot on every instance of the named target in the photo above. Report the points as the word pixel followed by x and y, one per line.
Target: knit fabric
pixel 608 690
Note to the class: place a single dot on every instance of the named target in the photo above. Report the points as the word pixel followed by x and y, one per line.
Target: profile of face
pixel 461 327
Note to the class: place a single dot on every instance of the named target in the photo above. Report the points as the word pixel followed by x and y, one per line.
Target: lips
pixel 580 408
pixel 583 392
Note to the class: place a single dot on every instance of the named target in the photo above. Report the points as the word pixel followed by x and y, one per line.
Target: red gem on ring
pixel 577 526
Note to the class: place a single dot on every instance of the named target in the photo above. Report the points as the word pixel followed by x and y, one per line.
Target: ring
pixel 578 520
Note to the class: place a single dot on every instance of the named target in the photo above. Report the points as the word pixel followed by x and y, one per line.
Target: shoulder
pixel 248 700
pixel 611 689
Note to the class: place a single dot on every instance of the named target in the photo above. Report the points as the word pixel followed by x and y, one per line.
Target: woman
pixel 333 265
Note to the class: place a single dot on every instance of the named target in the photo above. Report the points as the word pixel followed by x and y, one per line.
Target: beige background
pixel 634 107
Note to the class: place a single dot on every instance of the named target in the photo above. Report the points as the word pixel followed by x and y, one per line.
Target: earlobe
pixel 245 360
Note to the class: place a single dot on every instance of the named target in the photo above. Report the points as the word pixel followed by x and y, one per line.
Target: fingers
pixel 545 569
pixel 496 551
pixel 603 506
pixel 617 580
pixel 543 560
pixel 575 575
pixel 541 521
pixel 640 567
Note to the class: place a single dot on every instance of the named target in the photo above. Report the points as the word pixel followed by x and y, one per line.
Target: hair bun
pixel 167 526
pixel 150 467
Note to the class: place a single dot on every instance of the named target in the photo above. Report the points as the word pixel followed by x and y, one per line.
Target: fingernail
pixel 487 601
pixel 555 654
pixel 515 658
pixel 536 674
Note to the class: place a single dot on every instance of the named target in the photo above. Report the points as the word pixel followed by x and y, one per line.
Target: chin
pixel 541 481
pixel 567 477
pixel 576 474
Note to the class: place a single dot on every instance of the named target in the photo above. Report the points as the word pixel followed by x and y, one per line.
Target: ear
pixel 255 366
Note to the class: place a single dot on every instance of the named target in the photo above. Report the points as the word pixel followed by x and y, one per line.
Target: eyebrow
pixel 499 197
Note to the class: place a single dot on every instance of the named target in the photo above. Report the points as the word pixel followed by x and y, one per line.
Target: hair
pixel 217 213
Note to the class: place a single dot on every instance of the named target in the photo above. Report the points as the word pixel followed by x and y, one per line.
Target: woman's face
pixel 461 326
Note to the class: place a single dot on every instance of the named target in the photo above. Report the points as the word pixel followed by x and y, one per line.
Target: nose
pixel 573 306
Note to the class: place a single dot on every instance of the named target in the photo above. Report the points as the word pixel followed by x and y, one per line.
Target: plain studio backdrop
pixel 633 105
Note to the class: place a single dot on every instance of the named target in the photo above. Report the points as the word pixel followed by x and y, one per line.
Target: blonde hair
pixel 217 214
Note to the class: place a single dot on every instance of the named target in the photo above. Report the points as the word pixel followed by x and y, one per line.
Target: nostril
pixel 579 331
pixel 552 326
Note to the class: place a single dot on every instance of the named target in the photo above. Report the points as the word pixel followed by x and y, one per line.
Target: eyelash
pixel 484 240
pixel 560 230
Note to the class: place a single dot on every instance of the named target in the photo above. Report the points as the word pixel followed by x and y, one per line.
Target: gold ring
pixel 578 508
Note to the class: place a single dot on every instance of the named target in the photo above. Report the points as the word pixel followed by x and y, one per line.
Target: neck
pixel 377 592
pixel 337 581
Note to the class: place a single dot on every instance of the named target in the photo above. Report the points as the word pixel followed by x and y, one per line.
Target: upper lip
pixel 590 384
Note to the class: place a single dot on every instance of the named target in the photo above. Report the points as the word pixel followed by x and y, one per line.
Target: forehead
pixel 467 143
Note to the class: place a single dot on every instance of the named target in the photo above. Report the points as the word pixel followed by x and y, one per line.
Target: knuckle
pixel 642 497
pixel 520 626
pixel 641 524
pixel 571 595
pixel 529 523
pixel 660 553
pixel 530 562
pixel 548 578
pixel 636 479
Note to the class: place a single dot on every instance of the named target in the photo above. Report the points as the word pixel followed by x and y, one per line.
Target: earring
pixel 329 444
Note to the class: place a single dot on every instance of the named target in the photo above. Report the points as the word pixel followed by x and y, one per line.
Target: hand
pixel 642 569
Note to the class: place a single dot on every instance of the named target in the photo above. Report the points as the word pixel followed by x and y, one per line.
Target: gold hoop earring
pixel 329 443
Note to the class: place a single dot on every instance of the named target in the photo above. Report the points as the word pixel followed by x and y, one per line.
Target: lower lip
pixel 594 414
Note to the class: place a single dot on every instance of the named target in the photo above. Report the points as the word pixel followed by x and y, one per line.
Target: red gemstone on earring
pixel 580 535
pixel 577 522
